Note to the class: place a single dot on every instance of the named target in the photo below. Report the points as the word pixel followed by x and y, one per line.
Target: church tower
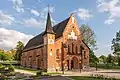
pixel 49 45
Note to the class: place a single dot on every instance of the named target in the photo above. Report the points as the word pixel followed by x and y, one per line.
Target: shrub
pixel 39 73
pixel 11 68
pixel 2 67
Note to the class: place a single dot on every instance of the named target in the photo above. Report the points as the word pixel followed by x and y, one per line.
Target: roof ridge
pixel 38 39
pixel 61 21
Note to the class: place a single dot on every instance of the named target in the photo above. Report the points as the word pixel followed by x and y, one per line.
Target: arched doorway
pixel 74 63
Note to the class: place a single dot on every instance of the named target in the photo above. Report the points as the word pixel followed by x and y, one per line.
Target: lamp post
pixel 62 55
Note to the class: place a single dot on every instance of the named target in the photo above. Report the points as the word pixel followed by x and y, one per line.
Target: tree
pixel 109 58
pixel 103 58
pixel 93 58
pixel 11 53
pixel 116 46
pixel 4 56
pixel 88 36
pixel 19 49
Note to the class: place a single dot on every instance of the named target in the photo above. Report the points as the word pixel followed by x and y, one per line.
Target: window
pixel 76 49
pixel 84 54
pixel 42 54
pixel 72 35
pixel 68 49
pixel 72 48
pixel 57 53
pixel 80 50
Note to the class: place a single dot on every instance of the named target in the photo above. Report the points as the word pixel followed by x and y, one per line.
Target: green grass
pixel 26 69
pixel 52 73
pixel 105 66
pixel 35 71
pixel 87 78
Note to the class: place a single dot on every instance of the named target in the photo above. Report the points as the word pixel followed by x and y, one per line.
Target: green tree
pixel 19 49
pixel 103 58
pixel 116 46
pixel 109 58
pixel 88 36
pixel 93 57
pixel 4 56
pixel 11 53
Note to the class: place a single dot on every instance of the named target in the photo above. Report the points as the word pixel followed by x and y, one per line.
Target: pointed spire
pixel 49 28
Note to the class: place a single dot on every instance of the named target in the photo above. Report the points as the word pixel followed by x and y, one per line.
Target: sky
pixel 23 19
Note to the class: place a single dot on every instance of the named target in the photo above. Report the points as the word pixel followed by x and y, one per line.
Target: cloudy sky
pixel 23 19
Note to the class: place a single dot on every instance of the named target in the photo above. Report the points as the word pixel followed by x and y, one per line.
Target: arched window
pixel 81 49
pixel 42 54
pixel 57 53
pixel 84 54
pixel 68 49
pixel 76 50
pixel 72 48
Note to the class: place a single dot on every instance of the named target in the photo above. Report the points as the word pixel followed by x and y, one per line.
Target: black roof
pixel 59 28
pixel 38 40
pixel 86 44
pixel 49 28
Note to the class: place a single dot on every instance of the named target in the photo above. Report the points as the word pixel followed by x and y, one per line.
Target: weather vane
pixel 49 6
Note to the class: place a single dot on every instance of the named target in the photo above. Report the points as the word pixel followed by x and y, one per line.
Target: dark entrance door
pixel 72 64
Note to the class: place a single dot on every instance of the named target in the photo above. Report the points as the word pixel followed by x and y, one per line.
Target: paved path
pixel 56 78
pixel 27 73
pixel 110 73
pixel 105 72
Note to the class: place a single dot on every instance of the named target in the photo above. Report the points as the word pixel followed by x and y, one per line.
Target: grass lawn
pixel 26 69
pixel 35 71
pixel 88 78
pixel 52 73
pixel 105 66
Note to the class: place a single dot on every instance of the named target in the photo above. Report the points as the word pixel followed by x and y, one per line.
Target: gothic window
pixel 72 48
pixel 50 40
pixel 72 35
pixel 57 53
pixel 80 50
pixel 68 49
pixel 84 54
pixel 76 49
pixel 41 54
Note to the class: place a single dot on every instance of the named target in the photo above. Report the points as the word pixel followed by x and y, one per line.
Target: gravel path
pixel 110 73
pixel 28 73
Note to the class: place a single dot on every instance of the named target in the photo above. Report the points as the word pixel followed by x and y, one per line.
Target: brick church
pixel 60 46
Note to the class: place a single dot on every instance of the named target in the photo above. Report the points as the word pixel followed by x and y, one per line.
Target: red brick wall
pixel 45 61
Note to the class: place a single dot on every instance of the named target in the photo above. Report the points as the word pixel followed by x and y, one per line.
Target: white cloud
pixel 18 5
pixel 109 21
pixel 35 12
pixel 6 19
pixel 111 7
pixel 9 38
pixel 84 14
pixel 32 22
pixel 39 1
pixel 43 15
pixel 41 22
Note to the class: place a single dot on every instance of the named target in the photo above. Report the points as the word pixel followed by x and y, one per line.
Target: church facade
pixel 58 47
